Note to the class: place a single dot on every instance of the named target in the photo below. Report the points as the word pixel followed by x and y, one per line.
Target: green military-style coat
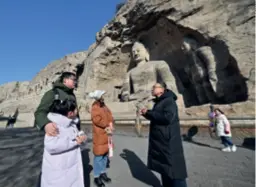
pixel 46 102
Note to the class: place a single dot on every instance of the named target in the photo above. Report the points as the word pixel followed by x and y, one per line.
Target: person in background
pixel 211 116
pixel 223 130
pixel 62 162
pixel 10 122
pixel 165 153
pixel 102 121
pixel 212 122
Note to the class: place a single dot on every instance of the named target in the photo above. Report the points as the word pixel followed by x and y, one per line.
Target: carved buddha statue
pixel 140 79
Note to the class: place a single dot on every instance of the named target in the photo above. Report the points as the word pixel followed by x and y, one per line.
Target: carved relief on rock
pixel 214 75
pixel 46 81
pixel 196 70
pixel 140 79
pixel 30 90
pixel 35 88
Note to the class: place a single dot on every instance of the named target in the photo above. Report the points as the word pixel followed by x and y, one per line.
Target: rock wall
pixel 223 30
pixel 12 90
pixel 27 95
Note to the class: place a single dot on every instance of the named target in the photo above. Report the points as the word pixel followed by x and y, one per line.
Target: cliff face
pixel 224 35
pixel 27 95
pixel 223 31
pixel 12 90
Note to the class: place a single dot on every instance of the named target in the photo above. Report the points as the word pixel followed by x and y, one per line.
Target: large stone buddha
pixel 140 79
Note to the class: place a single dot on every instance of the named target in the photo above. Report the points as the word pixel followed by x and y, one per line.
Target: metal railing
pixel 243 121
pixel 185 122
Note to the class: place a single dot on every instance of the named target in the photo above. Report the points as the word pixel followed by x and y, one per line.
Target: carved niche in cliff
pixel 213 72
pixel 201 69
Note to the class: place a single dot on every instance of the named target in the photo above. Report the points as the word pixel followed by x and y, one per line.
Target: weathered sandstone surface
pixel 208 46
pixel 26 95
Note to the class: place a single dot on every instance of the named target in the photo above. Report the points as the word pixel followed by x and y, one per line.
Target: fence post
pixel 138 124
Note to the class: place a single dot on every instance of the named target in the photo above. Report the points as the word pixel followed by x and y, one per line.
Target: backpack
pixel 56 94
pixel 56 98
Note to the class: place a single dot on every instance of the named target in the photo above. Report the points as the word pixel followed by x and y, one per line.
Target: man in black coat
pixel 165 152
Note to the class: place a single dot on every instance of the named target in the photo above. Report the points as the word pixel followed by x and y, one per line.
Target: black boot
pixel 98 182
pixel 105 178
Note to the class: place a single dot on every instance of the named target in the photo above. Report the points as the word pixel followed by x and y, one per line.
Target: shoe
pixel 226 149
pixel 98 182
pixel 233 148
pixel 105 178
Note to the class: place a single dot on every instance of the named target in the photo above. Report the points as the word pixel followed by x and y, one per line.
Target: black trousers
pixel 168 182
pixel 108 163
pixel 39 180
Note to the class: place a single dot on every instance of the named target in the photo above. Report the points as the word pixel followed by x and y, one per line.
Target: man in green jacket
pixel 62 89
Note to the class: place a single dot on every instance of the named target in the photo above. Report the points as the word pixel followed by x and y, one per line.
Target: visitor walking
pixel 211 116
pixel 223 130
pixel 165 153
pixel 212 122
pixel 102 130
pixel 62 162
pixel 10 122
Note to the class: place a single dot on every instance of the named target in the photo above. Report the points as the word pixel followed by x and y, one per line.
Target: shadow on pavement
pixel 20 158
pixel 139 170
pixel 192 131
pixel 248 143
pixel 199 144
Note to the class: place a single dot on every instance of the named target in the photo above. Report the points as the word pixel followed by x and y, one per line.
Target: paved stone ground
pixel 21 150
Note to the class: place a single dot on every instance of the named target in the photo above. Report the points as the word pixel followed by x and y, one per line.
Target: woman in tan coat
pixel 102 127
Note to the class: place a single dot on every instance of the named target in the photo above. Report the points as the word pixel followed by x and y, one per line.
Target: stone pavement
pixel 207 166
pixel 21 150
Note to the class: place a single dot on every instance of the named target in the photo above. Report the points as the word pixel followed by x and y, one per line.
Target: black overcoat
pixel 165 152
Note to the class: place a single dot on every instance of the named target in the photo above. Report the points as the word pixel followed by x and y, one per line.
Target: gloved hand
pixel 108 130
pixel 226 132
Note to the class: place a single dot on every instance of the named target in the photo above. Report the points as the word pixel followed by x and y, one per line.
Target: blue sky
pixel 33 33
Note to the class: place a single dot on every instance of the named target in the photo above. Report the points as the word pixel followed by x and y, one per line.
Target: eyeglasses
pixel 73 79
pixel 157 87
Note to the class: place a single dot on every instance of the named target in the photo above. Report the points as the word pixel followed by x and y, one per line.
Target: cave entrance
pixel 205 73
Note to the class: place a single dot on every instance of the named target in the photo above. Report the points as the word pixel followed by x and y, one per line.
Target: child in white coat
pixel 224 131
pixel 62 161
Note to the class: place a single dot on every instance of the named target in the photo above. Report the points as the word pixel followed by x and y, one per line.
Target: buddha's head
pixel 189 44
pixel 139 52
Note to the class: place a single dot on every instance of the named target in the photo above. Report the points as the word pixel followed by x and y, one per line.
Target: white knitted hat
pixel 96 94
